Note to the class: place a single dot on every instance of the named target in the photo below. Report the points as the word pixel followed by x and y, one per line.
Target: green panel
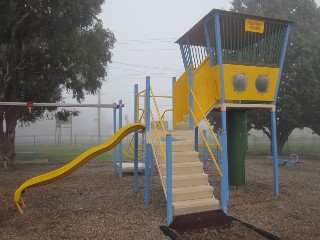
pixel 237 145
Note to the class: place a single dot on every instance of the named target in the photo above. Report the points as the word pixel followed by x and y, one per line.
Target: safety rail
pixel 160 123
pixel 202 135
pixel 208 147
pixel 130 145
pixel 158 111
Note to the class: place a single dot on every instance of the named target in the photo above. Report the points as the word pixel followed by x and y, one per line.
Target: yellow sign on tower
pixel 254 26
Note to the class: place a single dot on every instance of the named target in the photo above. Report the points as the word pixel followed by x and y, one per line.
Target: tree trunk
pixel 10 134
pixel 2 140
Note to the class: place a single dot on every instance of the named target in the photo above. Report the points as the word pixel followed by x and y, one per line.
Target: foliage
pixel 298 99
pixel 47 46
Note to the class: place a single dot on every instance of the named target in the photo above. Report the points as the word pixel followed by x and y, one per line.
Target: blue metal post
pixel 147 177
pixel 189 52
pixel 136 142
pixel 151 163
pixel 283 54
pixel 218 149
pixel 120 144
pixel 196 139
pixel 219 53
pixel 114 132
pixel 147 146
pixel 147 104
pixel 224 160
pixel 204 150
pixel 275 153
pixel 224 163
pixel 183 57
pixel 191 100
pixel 169 177
pixel 209 49
pixel 173 82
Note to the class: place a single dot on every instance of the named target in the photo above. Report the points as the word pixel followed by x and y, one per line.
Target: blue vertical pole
pixel 169 177
pixel 204 150
pixel 283 54
pixel 136 142
pixel 183 57
pixel 224 154
pixel 209 50
pixel 114 132
pixel 189 52
pixel 120 144
pixel 224 163
pixel 147 146
pixel 275 153
pixel 219 53
pixel 196 139
pixel 147 104
pixel 218 149
pixel 147 177
pixel 173 82
pixel 191 100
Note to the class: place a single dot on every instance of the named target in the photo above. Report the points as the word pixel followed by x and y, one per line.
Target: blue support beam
pixel 204 150
pixel 219 53
pixel 283 55
pixel 147 146
pixel 147 177
pixel 147 104
pixel 209 49
pixel 196 139
pixel 191 100
pixel 183 57
pixel 120 144
pixel 136 142
pixel 114 132
pixel 275 153
pixel 173 82
pixel 224 163
pixel 169 177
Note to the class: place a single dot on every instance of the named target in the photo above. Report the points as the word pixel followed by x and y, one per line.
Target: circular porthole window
pixel 240 82
pixel 262 83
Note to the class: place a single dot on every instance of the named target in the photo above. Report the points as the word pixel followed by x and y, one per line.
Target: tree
pixel 45 47
pixel 298 99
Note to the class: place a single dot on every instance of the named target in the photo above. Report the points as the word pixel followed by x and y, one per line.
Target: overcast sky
pixel 145 31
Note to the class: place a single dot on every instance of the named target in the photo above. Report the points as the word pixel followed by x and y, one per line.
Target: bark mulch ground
pixel 92 203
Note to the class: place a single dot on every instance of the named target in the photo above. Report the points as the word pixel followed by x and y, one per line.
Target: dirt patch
pixel 93 203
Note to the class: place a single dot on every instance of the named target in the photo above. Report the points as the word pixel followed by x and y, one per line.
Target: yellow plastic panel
pixel 205 89
pixel 181 97
pixel 76 163
pixel 251 72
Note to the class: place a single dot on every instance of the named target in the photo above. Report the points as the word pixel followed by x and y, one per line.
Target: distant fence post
pixel 34 140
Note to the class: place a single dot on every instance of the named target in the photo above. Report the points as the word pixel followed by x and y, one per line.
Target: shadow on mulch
pixel 196 222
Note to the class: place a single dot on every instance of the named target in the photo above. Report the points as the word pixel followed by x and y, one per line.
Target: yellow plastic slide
pixel 75 164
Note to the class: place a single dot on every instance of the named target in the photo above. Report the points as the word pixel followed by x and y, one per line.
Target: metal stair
pixel 191 191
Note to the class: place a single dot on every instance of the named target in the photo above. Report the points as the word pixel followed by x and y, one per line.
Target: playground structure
pixel 233 63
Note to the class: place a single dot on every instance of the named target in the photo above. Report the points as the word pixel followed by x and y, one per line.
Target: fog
pixel 145 31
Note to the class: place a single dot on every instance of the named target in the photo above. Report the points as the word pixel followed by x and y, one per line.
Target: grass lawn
pixel 61 154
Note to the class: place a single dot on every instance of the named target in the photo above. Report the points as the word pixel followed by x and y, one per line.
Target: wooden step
pixel 182 126
pixel 187 180
pixel 176 147
pixel 193 192
pixel 183 168
pixel 179 157
pixel 194 206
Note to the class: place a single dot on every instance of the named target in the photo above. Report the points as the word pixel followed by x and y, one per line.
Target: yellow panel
pixel 252 25
pixel 251 72
pixel 204 89
pixel 181 98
